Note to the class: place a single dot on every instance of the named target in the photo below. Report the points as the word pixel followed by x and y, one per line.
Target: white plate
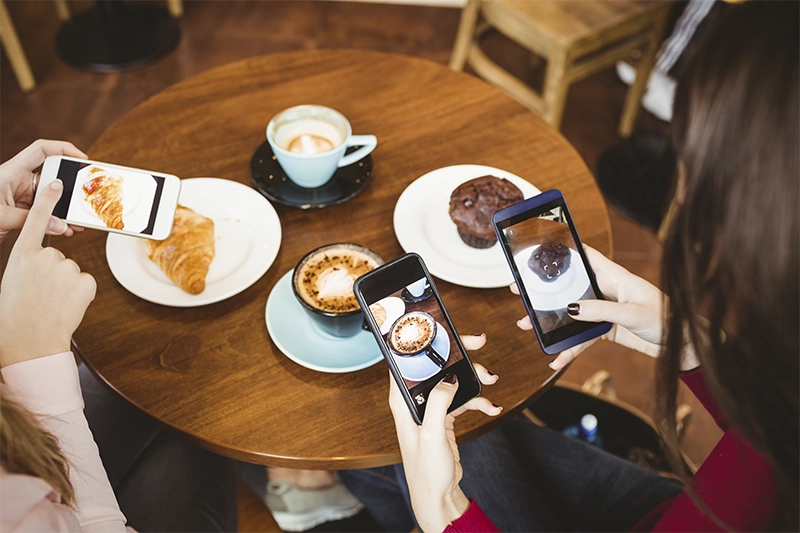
pixel 551 296
pixel 135 189
pixel 420 367
pixel 422 224
pixel 247 235
pixel 395 308
pixel 293 333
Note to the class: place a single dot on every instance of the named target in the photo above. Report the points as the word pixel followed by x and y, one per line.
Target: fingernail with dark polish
pixel 574 309
pixel 491 373
pixel 480 334
pixel 450 379
pixel 497 406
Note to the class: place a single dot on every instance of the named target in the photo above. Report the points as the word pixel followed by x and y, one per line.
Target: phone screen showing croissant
pixel 113 198
pixel 550 268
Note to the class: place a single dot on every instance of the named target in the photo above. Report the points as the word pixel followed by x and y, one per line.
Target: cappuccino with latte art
pixel 323 284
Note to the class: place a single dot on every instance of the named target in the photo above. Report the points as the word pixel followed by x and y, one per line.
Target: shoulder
pixel 30 504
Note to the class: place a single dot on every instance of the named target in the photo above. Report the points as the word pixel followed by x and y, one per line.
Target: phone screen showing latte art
pixel 550 268
pixel 405 313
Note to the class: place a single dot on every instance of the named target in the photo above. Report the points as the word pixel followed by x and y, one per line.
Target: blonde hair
pixel 27 448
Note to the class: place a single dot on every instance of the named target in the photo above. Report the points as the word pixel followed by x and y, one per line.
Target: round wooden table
pixel 212 373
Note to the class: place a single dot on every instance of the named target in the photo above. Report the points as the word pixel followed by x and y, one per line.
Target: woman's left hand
pixel 16 186
pixel 430 454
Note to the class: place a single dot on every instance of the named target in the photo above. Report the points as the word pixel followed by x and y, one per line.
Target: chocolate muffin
pixel 549 261
pixel 473 203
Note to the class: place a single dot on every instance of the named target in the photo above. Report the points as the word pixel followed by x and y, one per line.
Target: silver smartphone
pixel 113 198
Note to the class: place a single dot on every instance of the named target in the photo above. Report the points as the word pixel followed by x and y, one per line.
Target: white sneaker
pixel 660 91
pixel 626 72
pixel 296 509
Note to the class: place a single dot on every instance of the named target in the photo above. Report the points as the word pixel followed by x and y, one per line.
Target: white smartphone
pixel 113 198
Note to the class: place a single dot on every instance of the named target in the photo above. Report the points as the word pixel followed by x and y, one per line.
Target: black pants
pixel 161 482
pixel 528 478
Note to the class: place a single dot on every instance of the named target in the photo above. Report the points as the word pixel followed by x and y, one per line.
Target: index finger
pixel 35 227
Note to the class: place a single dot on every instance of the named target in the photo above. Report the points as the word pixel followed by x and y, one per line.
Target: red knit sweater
pixel 735 482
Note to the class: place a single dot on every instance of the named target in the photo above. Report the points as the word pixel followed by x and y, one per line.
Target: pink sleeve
pixel 49 387
pixel 472 521
pixel 31 505
pixel 735 482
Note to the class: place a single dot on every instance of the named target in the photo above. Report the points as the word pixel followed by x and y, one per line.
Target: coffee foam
pixel 411 334
pixel 325 280
pixel 308 136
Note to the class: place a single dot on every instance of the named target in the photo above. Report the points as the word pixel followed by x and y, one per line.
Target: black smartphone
pixel 404 311
pixel 542 247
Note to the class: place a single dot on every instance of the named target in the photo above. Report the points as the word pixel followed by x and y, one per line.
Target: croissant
pixel 186 254
pixel 104 193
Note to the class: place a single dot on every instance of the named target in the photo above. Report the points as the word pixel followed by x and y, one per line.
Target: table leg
pixel 116 35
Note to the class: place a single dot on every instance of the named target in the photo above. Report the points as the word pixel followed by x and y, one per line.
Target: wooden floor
pixel 78 106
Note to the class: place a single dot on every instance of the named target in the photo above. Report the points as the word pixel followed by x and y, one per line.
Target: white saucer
pixel 551 296
pixel 422 224
pixel 247 233
pixel 293 333
pixel 420 367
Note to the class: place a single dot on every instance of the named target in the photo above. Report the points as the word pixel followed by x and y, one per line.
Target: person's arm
pixel 49 388
pixel 735 482
pixel 429 452
pixel 43 297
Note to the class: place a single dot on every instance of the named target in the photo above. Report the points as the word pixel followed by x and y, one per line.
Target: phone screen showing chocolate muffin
pixel 549 265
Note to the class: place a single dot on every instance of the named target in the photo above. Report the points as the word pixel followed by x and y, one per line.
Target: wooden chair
pixel 629 432
pixel 16 55
pixel 576 37
pixel 253 514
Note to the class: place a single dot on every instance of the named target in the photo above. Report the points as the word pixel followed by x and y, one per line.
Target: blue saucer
pixel 293 333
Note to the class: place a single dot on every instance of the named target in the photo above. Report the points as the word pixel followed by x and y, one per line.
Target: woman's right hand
pixel 634 307
pixel 43 295
pixel 430 454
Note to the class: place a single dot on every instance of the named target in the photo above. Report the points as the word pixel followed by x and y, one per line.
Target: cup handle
pixel 367 144
pixel 435 357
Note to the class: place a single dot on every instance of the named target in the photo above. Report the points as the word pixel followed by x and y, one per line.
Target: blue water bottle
pixel 586 430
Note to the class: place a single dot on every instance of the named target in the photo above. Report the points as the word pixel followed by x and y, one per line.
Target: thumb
pixel 439 401
pixel 626 314
pixel 38 219
pixel 12 218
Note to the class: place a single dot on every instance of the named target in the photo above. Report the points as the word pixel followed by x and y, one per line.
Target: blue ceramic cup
pixel 310 141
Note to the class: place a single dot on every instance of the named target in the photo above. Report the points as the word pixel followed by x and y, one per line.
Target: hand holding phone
pixel 43 295
pixel 404 311
pixel 17 185
pixel 549 264
pixel 431 463
pixel 113 198
pixel 634 308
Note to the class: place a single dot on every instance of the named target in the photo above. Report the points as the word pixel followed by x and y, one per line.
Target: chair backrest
pixel 627 431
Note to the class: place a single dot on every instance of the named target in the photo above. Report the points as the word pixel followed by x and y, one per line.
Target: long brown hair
pixel 26 448
pixel 730 265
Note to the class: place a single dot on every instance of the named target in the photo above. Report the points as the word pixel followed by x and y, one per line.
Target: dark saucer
pixel 409 298
pixel 270 180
